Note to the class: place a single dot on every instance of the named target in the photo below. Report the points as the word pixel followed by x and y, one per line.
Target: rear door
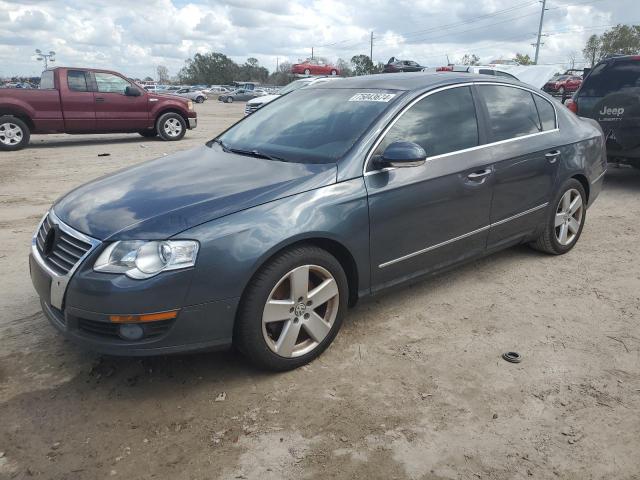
pixel 526 159
pixel 427 217
pixel 76 98
pixel 115 111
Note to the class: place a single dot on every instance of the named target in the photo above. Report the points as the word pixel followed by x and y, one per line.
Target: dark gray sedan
pixel 264 236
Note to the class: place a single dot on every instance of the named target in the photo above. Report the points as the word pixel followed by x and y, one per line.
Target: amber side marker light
pixel 149 317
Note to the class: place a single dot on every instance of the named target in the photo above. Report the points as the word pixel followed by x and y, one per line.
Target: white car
pixel 534 75
pixel 256 103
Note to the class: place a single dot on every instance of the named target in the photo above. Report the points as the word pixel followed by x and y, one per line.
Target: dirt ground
pixel 413 387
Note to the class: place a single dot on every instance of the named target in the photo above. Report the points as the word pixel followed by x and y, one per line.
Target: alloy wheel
pixel 10 134
pixel 300 311
pixel 569 215
pixel 173 127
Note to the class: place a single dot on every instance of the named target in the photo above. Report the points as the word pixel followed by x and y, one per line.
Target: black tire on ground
pixel 14 133
pixel 307 72
pixel 149 133
pixel 164 130
pixel 199 99
pixel 248 335
pixel 547 242
pixel 229 100
pixel 334 72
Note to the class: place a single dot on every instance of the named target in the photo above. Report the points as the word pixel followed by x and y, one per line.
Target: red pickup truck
pixel 83 100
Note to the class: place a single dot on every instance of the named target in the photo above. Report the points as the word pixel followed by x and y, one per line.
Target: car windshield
pixel 293 86
pixel 310 125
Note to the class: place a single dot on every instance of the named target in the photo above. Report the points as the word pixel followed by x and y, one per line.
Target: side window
pixel 486 71
pixel 109 83
pixel 46 80
pixel 77 81
pixel 512 112
pixel 440 123
pixel 546 112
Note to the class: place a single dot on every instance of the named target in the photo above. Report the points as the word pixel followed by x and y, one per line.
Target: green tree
pixel 362 64
pixel 209 68
pixel 252 71
pixel 470 59
pixel 523 59
pixel 591 51
pixel 623 39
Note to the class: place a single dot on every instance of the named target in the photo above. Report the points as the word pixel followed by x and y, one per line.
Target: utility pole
pixel 277 60
pixel 535 60
pixel 311 53
pixel 46 57
pixel 371 49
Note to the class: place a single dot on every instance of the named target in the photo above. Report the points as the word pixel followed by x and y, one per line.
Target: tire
pixel 561 91
pixel 258 333
pixel 334 73
pixel 14 133
pixel 199 99
pixel 171 126
pixel 550 240
pixel 228 100
pixel 307 71
pixel 149 133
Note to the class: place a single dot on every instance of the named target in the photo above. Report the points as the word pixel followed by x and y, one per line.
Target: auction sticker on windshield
pixel 372 97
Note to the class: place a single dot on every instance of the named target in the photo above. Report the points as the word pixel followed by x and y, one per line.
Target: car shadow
pixel 622 179
pixel 72 142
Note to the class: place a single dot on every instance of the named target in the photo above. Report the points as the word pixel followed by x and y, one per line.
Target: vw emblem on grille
pixel 49 241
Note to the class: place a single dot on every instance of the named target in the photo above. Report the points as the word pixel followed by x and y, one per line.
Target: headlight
pixel 143 259
pixel 190 105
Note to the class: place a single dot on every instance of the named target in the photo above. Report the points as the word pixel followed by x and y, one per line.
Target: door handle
pixel 99 99
pixel 480 174
pixel 552 156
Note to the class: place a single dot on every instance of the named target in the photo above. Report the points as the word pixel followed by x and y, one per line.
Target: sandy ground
pixel 413 387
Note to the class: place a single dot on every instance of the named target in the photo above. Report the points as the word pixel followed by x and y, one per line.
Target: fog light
pixel 130 331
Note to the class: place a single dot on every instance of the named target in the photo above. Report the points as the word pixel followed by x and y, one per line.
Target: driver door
pixel 426 217
pixel 115 111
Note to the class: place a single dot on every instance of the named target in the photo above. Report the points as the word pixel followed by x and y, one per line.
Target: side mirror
pixel 132 91
pixel 402 154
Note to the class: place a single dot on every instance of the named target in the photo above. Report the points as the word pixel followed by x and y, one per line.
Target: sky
pixel 134 37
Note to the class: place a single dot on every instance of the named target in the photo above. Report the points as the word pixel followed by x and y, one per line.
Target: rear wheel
pixel 307 71
pixel 229 100
pixel 292 309
pixel 14 133
pixel 171 126
pixel 566 220
pixel 561 91
pixel 199 99
pixel 334 73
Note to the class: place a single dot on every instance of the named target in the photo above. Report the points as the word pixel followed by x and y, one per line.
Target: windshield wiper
pixel 256 154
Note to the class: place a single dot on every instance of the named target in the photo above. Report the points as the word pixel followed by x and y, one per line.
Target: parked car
pixel 479 69
pixel 314 67
pixel 256 103
pixel 265 235
pixel 191 93
pixel 534 75
pixel 394 65
pixel 563 84
pixel 610 94
pixel 239 95
pixel 83 100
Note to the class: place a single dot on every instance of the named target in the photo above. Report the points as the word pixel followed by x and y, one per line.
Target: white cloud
pixel 135 37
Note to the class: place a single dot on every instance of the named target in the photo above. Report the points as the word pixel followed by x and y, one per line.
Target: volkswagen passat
pixel 265 235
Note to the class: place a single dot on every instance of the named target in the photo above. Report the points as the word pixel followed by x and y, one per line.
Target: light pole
pixel 47 57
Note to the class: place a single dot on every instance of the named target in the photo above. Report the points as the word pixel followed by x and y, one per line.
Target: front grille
pixel 249 109
pixel 60 250
pixel 107 329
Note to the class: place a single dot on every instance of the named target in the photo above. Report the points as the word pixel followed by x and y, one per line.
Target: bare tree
pixel 163 74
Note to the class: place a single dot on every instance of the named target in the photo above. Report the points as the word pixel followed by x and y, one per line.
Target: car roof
pixel 410 81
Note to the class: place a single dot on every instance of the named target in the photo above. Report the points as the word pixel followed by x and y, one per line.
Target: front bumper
pixel 193 123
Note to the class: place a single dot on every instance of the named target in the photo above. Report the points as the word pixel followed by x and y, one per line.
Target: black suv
pixel 610 94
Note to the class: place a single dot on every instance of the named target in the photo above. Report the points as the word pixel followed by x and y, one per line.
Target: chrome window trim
pixel 59 282
pixel 455 152
pixel 460 237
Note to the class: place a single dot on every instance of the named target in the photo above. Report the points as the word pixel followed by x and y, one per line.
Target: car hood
pixel 160 198
pixel 262 99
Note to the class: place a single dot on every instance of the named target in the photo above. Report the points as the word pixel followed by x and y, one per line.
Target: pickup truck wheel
pixel 14 133
pixel 171 126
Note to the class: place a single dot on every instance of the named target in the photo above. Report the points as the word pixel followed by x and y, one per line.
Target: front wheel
pixel 14 133
pixel 334 73
pixel 566 220
pixel 292 309
pixel 199 99
pixel 171 126
pixel 561 91
pixel 229 100
pixel 307 71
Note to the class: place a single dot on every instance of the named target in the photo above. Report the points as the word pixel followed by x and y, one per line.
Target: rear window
pixel 46 80
pixel 612 77
pixel 512 112
pixel 546 112
pixel 77 81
